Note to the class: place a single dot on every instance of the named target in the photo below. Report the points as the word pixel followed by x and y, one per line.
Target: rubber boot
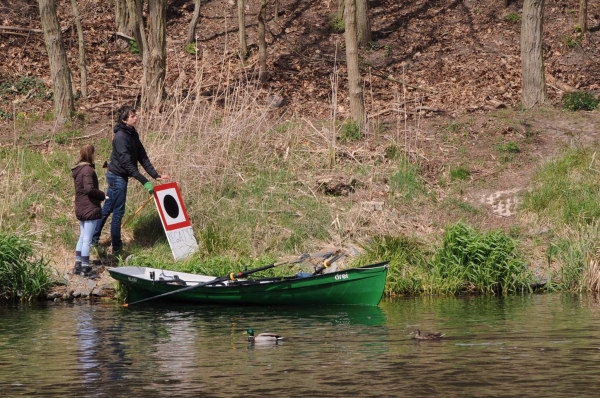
pixel 77 269
pixel 87 271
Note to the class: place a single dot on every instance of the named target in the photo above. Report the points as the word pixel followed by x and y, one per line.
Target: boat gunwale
pixel 291 278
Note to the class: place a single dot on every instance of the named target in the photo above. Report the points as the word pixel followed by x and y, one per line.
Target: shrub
pixel 579 100
pixel 133 47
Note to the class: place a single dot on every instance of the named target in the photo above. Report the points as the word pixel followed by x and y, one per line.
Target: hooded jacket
pixel 127 152
pixel 87 195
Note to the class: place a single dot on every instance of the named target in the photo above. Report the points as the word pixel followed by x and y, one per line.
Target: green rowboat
pixel 355 286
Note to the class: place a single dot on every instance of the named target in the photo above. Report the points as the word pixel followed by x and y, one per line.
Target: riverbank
pixel 273 188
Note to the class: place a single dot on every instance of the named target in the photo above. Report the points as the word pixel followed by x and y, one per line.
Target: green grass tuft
pixel 474 262
pixel 24 275
pixel 566 189
pixel 405 182
pixel 459 173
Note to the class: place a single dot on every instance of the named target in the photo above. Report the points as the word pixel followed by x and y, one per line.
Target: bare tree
pixel 155 62
pixel 532 59
pixel 363 24
pixel 262 43
pixel 191 36
pixel 64 106
pixel 242 30
pixel 583 15
pixel 357 107
pixel 82 65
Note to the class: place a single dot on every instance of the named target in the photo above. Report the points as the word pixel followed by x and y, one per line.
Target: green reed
pixel 23 275
pixel 474 262
pixel 406 258
pixel 573 259
pixel 467 262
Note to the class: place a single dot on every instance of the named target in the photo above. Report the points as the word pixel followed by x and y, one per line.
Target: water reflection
pixel 515 346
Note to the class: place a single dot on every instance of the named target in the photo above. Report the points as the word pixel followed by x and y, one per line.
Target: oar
pixel 232 276
pixel 327 263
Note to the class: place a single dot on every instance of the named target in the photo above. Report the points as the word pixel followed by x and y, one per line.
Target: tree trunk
pixel 126 18
pixel 142 43
pixel 82 65
pixel 583 15
pixel 357 107
pixel 363 24
pixel 64 106
pixel 157 52
pixel 191 36
pixel 242 30
pixel 121 16
pixel 262 43
pixel 139 32
pixel 340 10
pixel 532 60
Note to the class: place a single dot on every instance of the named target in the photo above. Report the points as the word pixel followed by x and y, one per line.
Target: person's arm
pixel 147 165
pixel 145 162
pixel 88 185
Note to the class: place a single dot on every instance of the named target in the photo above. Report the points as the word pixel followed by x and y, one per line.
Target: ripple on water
pixel 515 346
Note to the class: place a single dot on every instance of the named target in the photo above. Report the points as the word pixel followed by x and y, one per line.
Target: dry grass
pixel 248 174
pixel 591 277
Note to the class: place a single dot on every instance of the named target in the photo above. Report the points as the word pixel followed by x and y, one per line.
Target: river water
pixel 539 345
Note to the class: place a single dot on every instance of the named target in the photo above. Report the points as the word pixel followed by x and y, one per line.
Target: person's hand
pixel 163 177
pixel 149 187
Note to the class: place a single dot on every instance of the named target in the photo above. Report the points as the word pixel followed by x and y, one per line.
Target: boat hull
pixel 355 286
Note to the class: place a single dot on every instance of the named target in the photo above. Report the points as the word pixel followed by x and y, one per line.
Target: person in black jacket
pixel 127 152
pixel 87 207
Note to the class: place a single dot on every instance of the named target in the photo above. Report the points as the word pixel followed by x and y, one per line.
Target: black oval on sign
pixel 171 206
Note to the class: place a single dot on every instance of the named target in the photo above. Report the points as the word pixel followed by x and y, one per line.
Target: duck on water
pixel 272 338
pixel 426 336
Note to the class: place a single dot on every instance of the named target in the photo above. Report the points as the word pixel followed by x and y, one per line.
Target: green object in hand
pixel 149 187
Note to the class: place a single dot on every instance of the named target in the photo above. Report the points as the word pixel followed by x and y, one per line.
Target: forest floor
pixel 452 65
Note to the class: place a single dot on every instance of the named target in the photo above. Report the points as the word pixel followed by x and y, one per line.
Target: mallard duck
pixel 263 337
pixel 426 336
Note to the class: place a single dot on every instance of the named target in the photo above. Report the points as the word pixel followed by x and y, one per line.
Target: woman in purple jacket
pixel 87 207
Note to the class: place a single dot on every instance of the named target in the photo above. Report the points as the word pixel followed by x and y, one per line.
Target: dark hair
pixel 124 112
pixel 87 154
